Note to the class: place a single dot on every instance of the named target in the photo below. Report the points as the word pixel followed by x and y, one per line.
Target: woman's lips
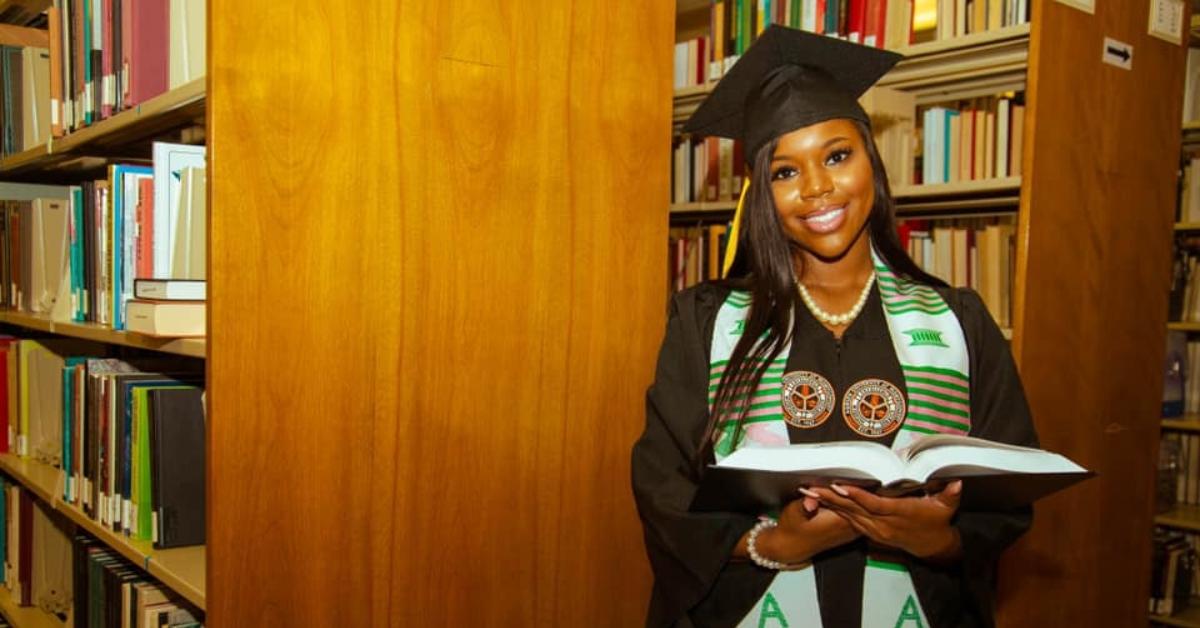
pixel 826 220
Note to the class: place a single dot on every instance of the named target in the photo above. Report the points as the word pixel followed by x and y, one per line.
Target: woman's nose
pixel 816 184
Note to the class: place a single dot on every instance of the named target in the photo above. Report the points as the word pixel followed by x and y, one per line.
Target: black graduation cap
pixel 787 80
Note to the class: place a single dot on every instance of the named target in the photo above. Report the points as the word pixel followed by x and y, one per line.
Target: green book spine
pixel 794 17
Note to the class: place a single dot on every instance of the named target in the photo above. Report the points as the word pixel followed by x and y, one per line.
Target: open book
pixel 995 475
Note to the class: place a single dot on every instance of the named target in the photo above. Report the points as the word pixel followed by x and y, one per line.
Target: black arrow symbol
pixel 1123 53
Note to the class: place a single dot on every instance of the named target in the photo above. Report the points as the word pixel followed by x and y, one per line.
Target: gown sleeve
pixel 999 412
pixel 695 582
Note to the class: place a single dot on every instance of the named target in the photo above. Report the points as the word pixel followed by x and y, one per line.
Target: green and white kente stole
pixel 932 352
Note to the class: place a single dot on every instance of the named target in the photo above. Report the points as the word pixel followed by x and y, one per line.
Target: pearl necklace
pixel 836 320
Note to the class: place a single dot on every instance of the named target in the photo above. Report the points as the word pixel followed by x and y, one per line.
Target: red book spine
pixel 857 20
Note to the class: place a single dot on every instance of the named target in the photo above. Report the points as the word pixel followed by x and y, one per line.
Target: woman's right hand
pixel 805 530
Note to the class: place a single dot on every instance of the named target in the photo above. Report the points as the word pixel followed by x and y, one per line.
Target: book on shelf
pixel 170 161
pixel 188 36
pixel 176 427
pixel 170 319
pixel 169 289
pixel 994 475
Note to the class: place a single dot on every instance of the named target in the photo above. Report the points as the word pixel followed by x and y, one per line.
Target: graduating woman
pixel 824 330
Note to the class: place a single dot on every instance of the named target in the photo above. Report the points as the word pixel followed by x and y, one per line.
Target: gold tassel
pixel 731 248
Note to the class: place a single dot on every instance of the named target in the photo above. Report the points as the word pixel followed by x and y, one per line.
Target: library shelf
pixel 181 569
pixel 979 187
pixel 26 616
pixel 1182 516
pixel 193 347
pixel 1183 326
pixel 1187 618
pixel 983 64
pixel 22 12
pixel 179 107
pixel 703 208
pixel 1187 226
pixel 1187 423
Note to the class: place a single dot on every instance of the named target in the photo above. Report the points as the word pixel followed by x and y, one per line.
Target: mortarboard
pixel 787 80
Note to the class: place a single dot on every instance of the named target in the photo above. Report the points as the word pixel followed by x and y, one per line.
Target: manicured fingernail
pixel 839 490
pixel 810 506
pixel 807 493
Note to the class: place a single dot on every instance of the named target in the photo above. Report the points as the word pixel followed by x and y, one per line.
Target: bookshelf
pixel 176 115
pixel 1189 618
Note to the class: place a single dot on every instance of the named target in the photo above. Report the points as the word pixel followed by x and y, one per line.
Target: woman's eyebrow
pixel 831 141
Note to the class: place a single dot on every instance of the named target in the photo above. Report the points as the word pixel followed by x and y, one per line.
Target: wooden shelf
pixel 181 106
pixel 1185 326
pixel 1187 226
pixel 194 347
pixel 1005 186
pixel 966 42
pixel 182 570
pixel 26 616
pixel 964 67
pixel 702 208
pixel 1187 618
pixel 1182 516
pixel 1187 423
pixel 22 12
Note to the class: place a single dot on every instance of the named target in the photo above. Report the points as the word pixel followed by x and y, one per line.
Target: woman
pixel 825 331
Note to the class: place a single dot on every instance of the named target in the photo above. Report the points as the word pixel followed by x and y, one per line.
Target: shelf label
pixel 1087 6
pixel 1166 20
pixel 1117 53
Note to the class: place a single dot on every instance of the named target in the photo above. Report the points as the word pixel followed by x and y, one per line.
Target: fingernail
pixel 810 507
pixel 839 490
pixel 807 493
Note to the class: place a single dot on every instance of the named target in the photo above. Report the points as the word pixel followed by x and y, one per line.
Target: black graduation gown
pixel 695 581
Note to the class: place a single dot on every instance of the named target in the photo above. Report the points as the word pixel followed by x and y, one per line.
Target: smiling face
pixel 824 188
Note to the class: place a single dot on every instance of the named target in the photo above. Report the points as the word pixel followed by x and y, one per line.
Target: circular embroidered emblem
pixel 807 399
pixel 874 407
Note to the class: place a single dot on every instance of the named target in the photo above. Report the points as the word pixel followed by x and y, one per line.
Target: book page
pixel 926 443
pixel 852 460
pixel 964 461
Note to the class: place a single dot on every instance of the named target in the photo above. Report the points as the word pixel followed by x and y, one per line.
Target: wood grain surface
pixel 436 294
pixel 1095 226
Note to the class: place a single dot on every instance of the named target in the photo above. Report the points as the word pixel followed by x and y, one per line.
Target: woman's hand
pixel 804 531
pixel 917 525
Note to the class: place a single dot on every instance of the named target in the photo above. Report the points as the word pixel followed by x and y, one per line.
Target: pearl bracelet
pixel 765 563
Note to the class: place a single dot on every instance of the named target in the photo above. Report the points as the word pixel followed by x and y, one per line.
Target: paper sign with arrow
pixel 1117 53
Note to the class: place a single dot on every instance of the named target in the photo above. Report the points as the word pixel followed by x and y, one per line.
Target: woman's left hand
pixel 917 525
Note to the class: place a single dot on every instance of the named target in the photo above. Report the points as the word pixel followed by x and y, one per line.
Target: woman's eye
pixel 838 156
pixel 783 173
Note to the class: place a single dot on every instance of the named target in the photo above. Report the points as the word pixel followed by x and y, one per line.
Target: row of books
pixel 128 435
pixel 1172 571
pixel 981 139
pixel 1181 379
pixel 106 56
pixel 709 169
pixel 1189 189
pixel 1183 303
pixel 734 24
pixel 108 592
pixel 1191 87
pixel 1180 482
pixel 74 252
pixel 30 528
pixel 74 578
pixel 972 253
pixel 695 254
pixel 934 20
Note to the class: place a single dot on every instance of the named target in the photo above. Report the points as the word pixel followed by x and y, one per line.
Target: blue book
pixel 123 188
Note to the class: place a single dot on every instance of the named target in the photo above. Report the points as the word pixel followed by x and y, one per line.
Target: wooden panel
pixel 1093 260
pixel 435 300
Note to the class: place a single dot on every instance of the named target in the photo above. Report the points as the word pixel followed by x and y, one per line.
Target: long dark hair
pixel 765 268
